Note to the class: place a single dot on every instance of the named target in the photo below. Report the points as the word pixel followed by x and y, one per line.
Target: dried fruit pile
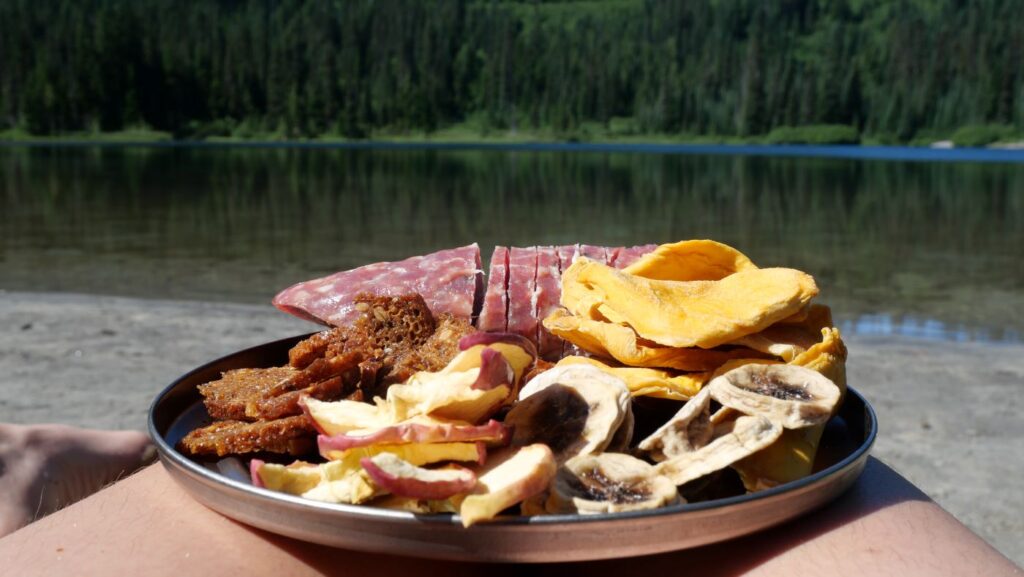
pixel 760 369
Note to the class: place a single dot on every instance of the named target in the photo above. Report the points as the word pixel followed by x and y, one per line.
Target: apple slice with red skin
pixel 493 432
pixel 506 479
pixel 488 339
pixel 404 479
pixel 495 371
pixel 254 473
pixel 517 349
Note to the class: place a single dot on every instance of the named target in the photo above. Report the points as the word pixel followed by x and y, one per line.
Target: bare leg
pixel 148 525
pixel 44 468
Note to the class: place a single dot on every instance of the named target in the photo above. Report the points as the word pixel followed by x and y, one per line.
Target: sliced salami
pixel 566 254
pixel 627 256
pixel 522 274
pixel 449 281
pixel 494 314
pixel 598 253
pixel 547 292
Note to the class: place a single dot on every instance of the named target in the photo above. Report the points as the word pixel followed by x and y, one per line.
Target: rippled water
pixel 931 250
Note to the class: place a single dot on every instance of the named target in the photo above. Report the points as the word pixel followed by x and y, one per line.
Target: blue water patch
pixel 854 152
pixel 925 328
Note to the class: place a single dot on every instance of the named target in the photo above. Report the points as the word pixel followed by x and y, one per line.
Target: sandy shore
pixel 950 413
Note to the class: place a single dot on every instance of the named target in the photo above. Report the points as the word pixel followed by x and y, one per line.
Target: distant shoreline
pixel 845 151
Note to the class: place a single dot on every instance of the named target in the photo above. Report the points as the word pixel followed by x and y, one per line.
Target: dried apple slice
pixel 506 479
pixel 793 396
pixel 294 479
pixel 470 395
pixel 333 482
pixel 340 417
pixel 609 483
pixel 415 453
pixel 417 432
pixel 404 479
pixel 517 350
pixel 495 371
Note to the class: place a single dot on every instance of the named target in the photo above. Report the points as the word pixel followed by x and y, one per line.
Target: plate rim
pixel 169 454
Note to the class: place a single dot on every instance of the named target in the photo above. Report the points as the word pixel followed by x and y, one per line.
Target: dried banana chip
pixel 687 431
pixel 608 483
pixel 792 456
pixel 794 397
pixel 732 441
pixel 573 409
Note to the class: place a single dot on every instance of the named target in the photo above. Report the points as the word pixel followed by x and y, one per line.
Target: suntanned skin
pixel 44 468
pixel 148 525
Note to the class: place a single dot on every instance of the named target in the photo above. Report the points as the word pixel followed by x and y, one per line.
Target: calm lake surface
pixel 926 249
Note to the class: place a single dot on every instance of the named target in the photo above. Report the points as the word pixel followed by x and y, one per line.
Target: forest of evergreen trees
pixel 893 69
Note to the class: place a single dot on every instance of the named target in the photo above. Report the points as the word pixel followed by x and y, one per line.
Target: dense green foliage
pixel 814 134
pixel 979 135
pixel 892 69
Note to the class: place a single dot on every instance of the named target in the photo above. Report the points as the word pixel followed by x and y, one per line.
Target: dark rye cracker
pixel 258 410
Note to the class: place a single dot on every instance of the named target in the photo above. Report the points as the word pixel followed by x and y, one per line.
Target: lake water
pixel 927 249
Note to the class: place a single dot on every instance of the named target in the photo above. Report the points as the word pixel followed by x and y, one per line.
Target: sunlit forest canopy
pixel 895 70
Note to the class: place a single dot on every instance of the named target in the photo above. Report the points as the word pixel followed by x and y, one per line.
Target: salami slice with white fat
pixel 523 287
pixel 566 254
pixel 448 280
pixel 598 253
pixel 522 309
pixel 624 257
pixel 547 292
pixel 494 314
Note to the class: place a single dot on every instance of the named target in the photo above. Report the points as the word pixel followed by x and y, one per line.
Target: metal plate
pixel 224 487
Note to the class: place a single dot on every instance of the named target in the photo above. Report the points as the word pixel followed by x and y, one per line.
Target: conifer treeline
pixel 895 68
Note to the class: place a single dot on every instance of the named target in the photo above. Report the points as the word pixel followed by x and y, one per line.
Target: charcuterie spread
pixel 577 379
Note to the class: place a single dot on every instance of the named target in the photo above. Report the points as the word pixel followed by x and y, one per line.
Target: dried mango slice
pixel 649 382
pixel 827 357
pixel 621 343
pixel 702 314
pixel 791 337
pixel 691 260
